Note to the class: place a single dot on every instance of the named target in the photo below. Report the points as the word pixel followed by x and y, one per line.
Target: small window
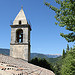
pixel 20 22
pixel 8 68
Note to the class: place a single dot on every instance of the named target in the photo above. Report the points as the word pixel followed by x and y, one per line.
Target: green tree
pixel 68 66
pixel 57 69
pixel 34 61
pixel 67 47
pixel 42 63
pixel 63 56
pixel 65 17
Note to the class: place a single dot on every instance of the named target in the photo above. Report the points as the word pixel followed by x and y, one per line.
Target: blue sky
pixel 45 35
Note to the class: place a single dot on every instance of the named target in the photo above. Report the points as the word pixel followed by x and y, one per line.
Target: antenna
pixel 22 7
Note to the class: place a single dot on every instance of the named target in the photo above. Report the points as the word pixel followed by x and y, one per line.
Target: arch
pixel 19 35
pixel 20 22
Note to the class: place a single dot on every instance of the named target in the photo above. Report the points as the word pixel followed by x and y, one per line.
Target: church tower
pixel 20 37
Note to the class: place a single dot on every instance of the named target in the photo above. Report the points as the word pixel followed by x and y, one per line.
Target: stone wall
pixel 19 51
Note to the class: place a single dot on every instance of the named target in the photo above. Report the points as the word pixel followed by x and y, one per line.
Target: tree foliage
pixel 65 17
pixel 57 69
pixel 64 54
pixel 42 63
pixel 68 66
pixel 67 47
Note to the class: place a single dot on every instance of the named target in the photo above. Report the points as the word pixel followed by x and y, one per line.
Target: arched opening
pixel 20 22
pixel 19 35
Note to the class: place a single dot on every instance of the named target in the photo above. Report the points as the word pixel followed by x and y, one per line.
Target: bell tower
pixel 20 37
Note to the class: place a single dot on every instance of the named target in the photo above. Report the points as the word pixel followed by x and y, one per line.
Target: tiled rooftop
pixel 20 67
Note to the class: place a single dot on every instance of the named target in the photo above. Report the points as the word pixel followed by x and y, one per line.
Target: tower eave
pixel 23 25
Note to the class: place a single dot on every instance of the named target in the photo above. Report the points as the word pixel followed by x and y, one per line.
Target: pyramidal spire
pixel 20 18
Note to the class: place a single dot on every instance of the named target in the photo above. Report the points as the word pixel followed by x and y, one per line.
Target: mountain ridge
pixel 33 55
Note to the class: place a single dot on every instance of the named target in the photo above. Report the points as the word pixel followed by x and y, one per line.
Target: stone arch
pixel 19 35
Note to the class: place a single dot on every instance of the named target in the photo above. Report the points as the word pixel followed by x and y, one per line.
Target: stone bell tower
pixel 20 37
